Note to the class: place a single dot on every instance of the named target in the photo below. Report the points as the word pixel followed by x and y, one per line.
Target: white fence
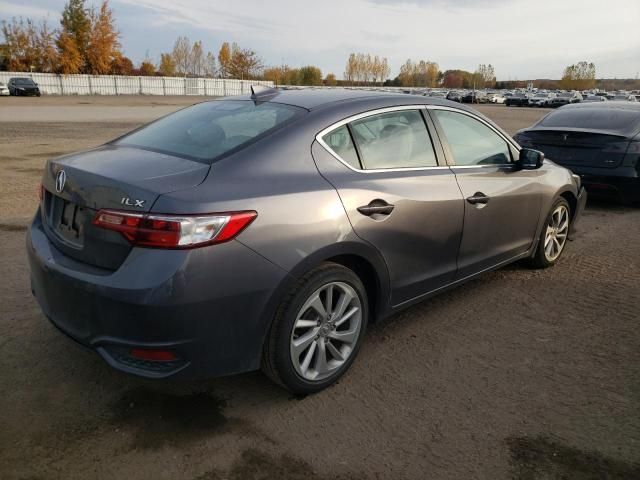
pixel 52 84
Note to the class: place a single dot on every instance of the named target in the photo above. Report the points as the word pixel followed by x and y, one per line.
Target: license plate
pixel 67 220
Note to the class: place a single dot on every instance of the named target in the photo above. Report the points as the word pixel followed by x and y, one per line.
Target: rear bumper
pixel 620 183
pixel 210 306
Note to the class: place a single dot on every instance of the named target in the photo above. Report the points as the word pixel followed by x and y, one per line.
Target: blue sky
pixel 521 38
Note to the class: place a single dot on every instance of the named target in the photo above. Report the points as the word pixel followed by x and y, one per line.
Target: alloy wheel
pixel 326 331
pixel 556 235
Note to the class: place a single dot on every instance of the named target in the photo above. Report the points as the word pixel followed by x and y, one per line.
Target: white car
pixel 497 98
pixel 4 90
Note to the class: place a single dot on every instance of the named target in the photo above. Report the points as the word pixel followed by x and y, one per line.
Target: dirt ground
pixel 519 374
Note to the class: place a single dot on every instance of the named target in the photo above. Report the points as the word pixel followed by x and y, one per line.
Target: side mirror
pixel 530 159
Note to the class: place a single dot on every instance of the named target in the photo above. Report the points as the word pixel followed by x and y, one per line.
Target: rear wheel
pixel 317 331
pixel 553 237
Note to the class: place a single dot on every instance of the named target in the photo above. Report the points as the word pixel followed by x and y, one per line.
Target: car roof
pixel 634 106
pixel 315 98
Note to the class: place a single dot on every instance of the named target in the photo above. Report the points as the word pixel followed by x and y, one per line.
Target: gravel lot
pixel 520 374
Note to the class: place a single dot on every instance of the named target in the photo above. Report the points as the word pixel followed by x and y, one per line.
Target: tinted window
pixel 23 81
pixel 340 142
pixel 211 129
pixel 598 118
pixel 394 140
pixel 471 141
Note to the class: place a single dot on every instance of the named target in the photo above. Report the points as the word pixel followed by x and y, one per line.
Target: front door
pixel 502 204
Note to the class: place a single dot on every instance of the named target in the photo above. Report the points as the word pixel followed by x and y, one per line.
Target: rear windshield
pixel 611 119
pixel 207 131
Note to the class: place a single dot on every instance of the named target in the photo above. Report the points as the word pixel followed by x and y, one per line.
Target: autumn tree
pixel 457 79
pixel 351 68
pixel 579 76
pixel 147 69
pixel 282 75
pixel 365 68
pixel 19 38
pixel 310 75
pixel 224 60
pixel 245 63
pixel 484 76
pixel 70 59
pixel 330 80
pixel 121 65
pixel 73 38
pixel 167 67
pixel 103 41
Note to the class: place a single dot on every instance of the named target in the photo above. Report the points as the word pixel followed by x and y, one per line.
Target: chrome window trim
pixel 496 165
pixel 370 113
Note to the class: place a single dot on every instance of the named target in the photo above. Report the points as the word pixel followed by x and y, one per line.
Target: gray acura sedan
pixel 269 230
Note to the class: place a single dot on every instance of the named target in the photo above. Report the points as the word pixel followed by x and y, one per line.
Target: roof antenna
pixel 262 93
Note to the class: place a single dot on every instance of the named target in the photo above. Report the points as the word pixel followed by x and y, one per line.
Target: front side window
pixel 471 141
pixel 209 130
pixel 394 140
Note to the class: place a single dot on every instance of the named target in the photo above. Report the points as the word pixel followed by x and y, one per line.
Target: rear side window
pixel 471 141
pixel 394 140
pixel 339 140
pixel 209 130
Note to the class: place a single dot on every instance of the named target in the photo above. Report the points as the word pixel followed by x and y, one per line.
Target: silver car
pixel 269 230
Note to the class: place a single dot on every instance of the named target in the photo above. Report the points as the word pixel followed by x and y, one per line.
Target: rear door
pixel 398 193
pixel 502 204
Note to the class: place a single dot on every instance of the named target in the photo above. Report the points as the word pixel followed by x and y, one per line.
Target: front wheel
pixel 553 237
pixel 317 331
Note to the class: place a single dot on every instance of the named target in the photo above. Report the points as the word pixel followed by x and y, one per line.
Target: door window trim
pixel 445 144
pixel 420 107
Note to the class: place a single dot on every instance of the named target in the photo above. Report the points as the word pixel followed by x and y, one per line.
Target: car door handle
pixel 379 207
pixel 478 197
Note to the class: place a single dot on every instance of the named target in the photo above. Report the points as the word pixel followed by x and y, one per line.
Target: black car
pixel 475 97
pixel 598 141
pixel 565 98
pixel 23 86
pixel 517 100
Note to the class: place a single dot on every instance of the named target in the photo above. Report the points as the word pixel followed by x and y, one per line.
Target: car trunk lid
pixel 577 147
pixel 109 177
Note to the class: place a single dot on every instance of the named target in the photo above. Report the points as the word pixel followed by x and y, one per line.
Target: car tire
pixel 294 347
pixel 554 236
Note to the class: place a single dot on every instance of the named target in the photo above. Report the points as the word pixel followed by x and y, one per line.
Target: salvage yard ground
pixel 519 374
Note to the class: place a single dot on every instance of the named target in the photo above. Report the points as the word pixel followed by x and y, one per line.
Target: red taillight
pixel 153 355
pixel 174 231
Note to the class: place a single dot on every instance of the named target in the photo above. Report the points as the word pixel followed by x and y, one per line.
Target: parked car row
pixel 526 98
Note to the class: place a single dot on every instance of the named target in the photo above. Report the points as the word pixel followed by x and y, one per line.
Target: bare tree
pixel 182 55
pixel 210 65
pixel 196 59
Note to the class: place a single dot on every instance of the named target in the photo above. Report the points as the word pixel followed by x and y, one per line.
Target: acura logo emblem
pixel 61 178
pixel 565 136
